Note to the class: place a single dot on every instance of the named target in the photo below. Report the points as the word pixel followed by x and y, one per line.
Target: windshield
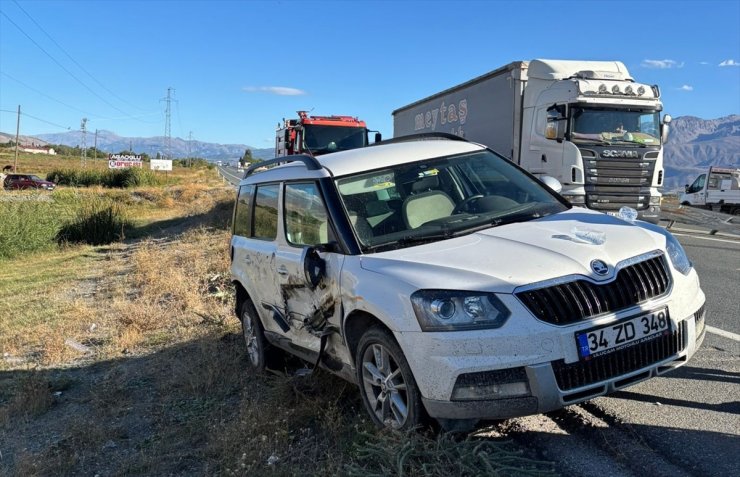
pixel 611 126
pixel 441 198
pixel 323 139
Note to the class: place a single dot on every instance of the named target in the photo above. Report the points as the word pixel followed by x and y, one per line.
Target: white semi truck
pixel 719 189
pixel 586 123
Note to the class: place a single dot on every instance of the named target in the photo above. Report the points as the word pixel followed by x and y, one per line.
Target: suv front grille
pixel 618 363
pixel 571 302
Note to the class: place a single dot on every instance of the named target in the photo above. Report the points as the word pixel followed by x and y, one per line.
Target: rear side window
pixel 306 219
pixel 243 211
pixel 266 212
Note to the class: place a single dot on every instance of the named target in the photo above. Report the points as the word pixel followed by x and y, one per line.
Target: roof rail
pixel 310 162
pixel 421 137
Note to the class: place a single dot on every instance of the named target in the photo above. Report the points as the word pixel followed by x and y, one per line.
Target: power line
pixel 65 69
pixel 49 97
pixel 38 119
pixel 101 118
pixel 73 60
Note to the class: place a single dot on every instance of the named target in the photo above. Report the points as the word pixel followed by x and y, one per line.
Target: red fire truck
pixel 318 135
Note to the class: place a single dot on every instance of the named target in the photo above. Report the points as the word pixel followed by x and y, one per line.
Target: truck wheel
pixel 254 337
pixel 387 385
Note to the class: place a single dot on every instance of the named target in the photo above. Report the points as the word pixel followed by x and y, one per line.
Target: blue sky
pixel 239 67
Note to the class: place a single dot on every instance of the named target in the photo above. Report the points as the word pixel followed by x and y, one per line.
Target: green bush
pixel 35 222
pixel 97 222
pixel 114 178
pixel 27 223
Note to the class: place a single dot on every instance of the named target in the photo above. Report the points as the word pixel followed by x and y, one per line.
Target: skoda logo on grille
pixel 599 267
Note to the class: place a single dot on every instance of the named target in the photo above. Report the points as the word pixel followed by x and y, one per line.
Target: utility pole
pixel 190 157
pixel 17 132
pixel 83 128
pixel 96 144
pixel 167 127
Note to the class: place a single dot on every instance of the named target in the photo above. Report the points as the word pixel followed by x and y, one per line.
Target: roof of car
pixel 386 155
pixel 365 159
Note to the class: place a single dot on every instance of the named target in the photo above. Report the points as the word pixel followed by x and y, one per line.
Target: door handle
pixel 282 270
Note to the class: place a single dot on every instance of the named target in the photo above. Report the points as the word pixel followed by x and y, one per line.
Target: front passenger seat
pixel 421 208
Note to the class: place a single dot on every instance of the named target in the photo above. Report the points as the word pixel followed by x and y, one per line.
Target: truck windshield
pixel 440 198
pixel 611 126
pixel 324 139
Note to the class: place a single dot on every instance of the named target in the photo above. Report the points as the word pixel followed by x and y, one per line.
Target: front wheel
pixel 387 385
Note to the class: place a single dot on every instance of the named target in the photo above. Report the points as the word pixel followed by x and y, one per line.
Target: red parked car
pixel 27 181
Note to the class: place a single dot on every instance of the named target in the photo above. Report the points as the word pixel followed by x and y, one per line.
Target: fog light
pixel 500 384
pixel 576 199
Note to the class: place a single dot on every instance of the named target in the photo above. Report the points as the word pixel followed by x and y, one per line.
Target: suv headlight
pixel 676 253
pixel 450 310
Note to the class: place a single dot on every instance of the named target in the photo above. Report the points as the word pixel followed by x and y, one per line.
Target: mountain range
pixel 179 148
pixel 694 144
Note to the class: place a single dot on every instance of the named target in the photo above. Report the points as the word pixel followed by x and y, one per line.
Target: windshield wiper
pixel 591 140
pixel 411 239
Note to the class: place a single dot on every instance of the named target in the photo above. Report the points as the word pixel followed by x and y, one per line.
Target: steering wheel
pixel 463 206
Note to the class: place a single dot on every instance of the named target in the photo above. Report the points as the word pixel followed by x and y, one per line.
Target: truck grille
pixel 614 183
pixel 618 363
pixel 571 302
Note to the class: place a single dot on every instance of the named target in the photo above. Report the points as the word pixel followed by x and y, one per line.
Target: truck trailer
pixel 318 135
pixel 586 123
pixel 718 189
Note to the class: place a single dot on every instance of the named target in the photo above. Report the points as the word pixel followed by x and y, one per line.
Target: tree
pixel 246 158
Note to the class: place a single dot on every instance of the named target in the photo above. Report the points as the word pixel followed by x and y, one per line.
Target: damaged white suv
pixel 447 282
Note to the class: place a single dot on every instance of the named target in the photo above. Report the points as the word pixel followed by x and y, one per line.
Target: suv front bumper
pixel 554 384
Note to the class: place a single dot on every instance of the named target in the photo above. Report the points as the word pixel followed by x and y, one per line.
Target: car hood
pixel 505 257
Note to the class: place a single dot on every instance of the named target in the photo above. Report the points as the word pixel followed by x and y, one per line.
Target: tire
pixel 386 383
pixel 254 337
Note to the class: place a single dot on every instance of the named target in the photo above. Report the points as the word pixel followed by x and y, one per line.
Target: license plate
pixel 610 338
pixel 613 214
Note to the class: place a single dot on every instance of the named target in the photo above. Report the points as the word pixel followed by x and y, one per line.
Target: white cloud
pixel 661 64
pixel 686 88
pixel 703 62
pixel 278 90
pixel 729 62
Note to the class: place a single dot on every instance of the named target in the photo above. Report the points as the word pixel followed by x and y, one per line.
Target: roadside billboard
pixel 123 161
pixel 161 165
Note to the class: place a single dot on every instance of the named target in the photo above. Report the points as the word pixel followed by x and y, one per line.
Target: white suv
pixel 447 282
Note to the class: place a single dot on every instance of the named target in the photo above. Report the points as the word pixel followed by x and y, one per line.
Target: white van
pixel 718 190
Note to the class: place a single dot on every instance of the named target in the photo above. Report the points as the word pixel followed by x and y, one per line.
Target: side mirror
pixel 552 183
pixel 664 128
pixel 314 267
pixel 686 188
pixel 556 123
pixel 378 137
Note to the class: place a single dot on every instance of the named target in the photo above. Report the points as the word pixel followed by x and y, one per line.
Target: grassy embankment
pixel 126 359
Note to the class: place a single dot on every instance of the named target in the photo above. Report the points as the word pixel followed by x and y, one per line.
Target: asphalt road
pixel 684 423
